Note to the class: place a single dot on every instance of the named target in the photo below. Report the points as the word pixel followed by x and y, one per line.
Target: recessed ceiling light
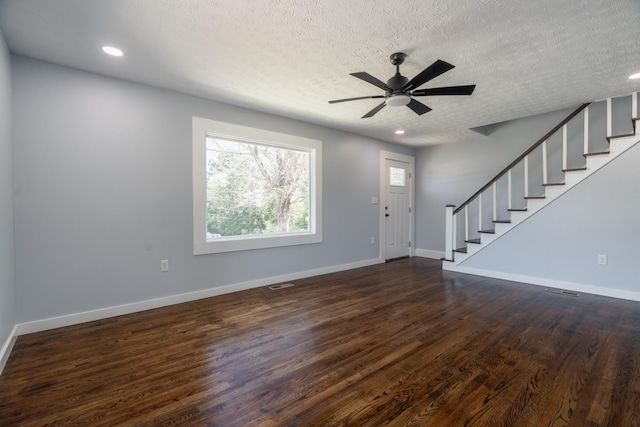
pixel 635 76
pixel 399 132
pixel 113 51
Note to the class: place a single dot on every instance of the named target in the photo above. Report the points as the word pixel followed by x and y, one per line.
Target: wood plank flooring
pixel 398 344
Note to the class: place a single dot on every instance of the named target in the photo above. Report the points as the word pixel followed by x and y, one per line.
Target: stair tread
pixel 583 168
pixel 461 250
pixel 535 197
pixel 548 184
pixel 597 153
pixel 502 221
pixel 491 231
pixel 476 241
pixel 517 210
pixel 609 138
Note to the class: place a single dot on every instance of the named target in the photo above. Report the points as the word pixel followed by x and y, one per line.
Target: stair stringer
pixel 618 146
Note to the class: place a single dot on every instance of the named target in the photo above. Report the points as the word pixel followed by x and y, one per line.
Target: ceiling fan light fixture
pixel 397 100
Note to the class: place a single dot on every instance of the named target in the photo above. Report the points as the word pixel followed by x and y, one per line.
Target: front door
pixel 397 209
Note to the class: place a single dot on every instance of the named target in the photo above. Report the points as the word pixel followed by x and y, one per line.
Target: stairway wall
pixel 559 245
pixel 450 173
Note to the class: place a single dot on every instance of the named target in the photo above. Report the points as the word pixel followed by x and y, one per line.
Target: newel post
pixel 450 235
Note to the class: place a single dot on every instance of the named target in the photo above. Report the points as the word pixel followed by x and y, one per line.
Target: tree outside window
pixel 255 189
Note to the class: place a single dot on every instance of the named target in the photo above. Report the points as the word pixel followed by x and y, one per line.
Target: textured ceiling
pixel 289 57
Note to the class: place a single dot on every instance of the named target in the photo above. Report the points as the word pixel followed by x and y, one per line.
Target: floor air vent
pixel 562 292
pixel 280 286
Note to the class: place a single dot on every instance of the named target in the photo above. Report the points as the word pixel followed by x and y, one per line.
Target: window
pixel 396 177
pixel 254 188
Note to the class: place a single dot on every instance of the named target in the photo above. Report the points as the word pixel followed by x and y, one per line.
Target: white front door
pixel 397 209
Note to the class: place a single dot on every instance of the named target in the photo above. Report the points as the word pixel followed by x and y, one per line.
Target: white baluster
pixel 466 223
pixel 526 176
pixel 495 200
pixel 450 232
pixel 480 211
pixel 586 130
pixel 544 162
pixel 609 119
pixel 634 105
pixel 564 147
pixel 509 189
pixel 454 242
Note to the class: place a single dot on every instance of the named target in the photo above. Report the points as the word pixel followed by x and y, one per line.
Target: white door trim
pixel 384 155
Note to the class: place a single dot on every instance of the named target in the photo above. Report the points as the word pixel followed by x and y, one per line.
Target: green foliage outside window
pixel 255 189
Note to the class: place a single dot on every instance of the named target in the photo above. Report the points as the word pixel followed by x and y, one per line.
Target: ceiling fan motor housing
pixel 397 82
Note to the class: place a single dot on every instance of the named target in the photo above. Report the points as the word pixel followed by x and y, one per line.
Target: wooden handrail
pixel 523 155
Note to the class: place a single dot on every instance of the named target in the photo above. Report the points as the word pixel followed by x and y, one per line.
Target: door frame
pixel 384 155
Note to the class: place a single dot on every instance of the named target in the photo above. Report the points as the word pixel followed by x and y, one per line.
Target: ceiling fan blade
pixel 431 72
pixel 451 90
pixel 370 79
pixel 355 99
pixel 418 107
pixel 374 111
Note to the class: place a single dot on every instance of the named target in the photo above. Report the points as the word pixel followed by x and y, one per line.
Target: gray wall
pixel 451 173
pixel 102 171
pixel 7 264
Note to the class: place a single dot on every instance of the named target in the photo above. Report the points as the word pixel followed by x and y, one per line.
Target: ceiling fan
pixel 399 90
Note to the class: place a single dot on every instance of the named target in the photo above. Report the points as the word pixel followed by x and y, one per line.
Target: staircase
pixel 512 196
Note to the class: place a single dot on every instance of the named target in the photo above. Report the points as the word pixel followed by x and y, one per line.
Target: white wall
pixel 102 171
pixel 7 265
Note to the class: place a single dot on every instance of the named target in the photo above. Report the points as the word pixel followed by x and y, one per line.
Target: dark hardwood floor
pixel 401 344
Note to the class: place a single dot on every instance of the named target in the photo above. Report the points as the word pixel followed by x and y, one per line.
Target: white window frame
pixel 203 128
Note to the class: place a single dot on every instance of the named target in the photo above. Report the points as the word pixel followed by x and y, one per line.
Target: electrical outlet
pixel 374 200
pixel 602 260
pixel 164 265
pixel 373 240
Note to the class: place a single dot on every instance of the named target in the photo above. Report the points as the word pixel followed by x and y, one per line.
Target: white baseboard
pixel 428 253
pixel 103 313
pixel 5 351
pixel 549 283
